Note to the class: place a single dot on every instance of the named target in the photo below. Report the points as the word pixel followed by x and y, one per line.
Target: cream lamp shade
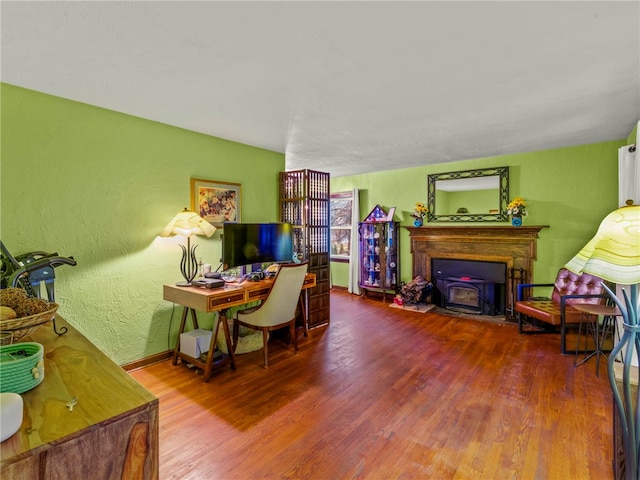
pixel 188 223
pixel 614 253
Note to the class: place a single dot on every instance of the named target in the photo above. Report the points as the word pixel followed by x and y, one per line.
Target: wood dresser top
pixel 74 368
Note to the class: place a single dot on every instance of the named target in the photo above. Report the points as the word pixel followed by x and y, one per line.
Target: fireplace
pixel 469 295
pixel 469 285
pixel 512 248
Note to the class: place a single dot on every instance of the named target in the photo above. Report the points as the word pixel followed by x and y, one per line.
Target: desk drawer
pixel 237 297
pixel 259 294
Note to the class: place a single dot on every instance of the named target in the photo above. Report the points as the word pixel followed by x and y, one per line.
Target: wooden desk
pixel 112 432
pixel 219 300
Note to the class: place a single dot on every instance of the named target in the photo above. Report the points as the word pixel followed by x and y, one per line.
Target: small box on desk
pixel 196 342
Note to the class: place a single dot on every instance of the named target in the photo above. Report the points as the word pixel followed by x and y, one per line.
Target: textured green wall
pixel 568 189
pixel 100 185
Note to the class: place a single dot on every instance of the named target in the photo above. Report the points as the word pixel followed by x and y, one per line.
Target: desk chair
pixel 278 310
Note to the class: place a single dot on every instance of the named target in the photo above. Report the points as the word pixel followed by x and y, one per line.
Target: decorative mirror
pixel 469 195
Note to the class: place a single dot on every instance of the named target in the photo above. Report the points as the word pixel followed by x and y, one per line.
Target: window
pixel 341 213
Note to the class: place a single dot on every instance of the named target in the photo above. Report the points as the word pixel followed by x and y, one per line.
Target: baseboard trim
pixel 146 361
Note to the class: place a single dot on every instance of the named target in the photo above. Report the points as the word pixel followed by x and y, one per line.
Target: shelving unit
pixel 379 255
pixel 305 203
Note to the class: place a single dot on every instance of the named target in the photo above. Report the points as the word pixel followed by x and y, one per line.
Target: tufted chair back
pixel 569 283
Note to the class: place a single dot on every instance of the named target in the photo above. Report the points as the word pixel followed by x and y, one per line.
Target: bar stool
pixel 591 313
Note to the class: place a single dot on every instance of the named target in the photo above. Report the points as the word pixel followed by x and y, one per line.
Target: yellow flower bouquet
pixel 517 207
pixel 420 211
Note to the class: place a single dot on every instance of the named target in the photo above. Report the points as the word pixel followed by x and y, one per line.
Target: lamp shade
pixel 188 223
pixel 614 253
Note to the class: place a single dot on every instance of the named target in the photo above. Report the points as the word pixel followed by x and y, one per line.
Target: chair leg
pixel 236 333
pixel 265 341
pixel 292 334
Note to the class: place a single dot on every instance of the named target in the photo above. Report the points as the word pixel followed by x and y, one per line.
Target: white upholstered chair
pixel 278 310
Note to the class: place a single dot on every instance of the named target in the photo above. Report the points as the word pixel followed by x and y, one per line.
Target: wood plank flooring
pixel 384 393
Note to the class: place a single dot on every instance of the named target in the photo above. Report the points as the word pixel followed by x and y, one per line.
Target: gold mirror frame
pixel 503 195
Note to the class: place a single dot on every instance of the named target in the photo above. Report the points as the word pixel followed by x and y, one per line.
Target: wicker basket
pixel 18 328
pixel 21 367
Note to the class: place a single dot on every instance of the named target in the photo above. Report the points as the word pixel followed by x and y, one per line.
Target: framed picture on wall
pixel 216 202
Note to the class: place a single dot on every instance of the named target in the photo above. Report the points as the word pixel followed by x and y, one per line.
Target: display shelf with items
pixel 379 255
pixel 305 204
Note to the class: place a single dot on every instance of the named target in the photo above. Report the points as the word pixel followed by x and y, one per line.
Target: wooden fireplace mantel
pixel 493 231
pixel 514 246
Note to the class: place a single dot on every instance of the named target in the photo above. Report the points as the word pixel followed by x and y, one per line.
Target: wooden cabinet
pixel 304 203
pixel 379 255
pixel 111 433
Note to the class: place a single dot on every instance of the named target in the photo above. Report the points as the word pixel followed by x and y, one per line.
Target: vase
pixel 417 222
pixel 516 220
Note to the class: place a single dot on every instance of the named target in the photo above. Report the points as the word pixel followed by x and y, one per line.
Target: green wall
pixel 568 189
pixel 99 186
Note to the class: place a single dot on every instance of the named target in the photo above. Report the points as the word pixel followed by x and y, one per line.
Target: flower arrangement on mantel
pixel 419 212
pixel 517 207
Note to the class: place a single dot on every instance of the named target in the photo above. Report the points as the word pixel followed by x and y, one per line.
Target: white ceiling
pixel 344 87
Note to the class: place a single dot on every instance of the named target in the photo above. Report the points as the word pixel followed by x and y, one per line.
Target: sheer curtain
pixel 354 255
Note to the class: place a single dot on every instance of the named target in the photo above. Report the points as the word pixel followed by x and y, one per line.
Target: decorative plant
pixel 420 210
pixel 517 207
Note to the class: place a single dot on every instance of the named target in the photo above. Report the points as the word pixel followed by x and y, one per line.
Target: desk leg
pixel 194 319
pixel 183 324
pixel 227 336
pixel 208 366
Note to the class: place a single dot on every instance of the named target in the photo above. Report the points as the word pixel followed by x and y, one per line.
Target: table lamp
pixel 188 223
pixel 614 255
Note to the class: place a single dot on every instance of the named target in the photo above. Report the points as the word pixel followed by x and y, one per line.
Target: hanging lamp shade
pixel 614 252
pixel 188 223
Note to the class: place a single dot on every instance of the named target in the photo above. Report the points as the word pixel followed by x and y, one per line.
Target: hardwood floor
pixel 384 393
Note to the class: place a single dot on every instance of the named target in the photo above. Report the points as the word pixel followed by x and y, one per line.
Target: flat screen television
pixel 252 243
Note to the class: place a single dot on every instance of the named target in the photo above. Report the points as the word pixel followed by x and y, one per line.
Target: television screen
pixel 251 243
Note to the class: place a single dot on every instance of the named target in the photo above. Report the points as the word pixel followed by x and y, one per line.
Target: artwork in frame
pixel 216 202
